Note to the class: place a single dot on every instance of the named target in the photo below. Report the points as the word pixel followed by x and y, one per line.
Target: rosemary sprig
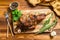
pixel 47 25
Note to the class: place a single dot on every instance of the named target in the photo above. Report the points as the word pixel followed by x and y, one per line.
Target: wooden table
pixel 23 5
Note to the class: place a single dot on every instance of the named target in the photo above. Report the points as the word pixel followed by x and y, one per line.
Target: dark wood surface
pixel 4 4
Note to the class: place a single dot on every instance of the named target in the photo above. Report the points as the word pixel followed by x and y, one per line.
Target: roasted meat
pixel 29 21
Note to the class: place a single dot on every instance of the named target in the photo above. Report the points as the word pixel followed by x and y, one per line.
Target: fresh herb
pixel 47 25
pixel 48 20
pixel 16 14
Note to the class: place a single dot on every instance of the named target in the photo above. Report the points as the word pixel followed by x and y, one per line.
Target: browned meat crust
pixel 30 21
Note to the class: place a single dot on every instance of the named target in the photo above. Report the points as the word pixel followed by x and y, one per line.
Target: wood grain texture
pixel 4 4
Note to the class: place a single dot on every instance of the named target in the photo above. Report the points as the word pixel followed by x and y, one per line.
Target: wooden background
pixel 4 4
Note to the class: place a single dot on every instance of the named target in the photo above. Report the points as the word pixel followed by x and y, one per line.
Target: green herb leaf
pixel 47 25
pixel 16 14
pixel 48 21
